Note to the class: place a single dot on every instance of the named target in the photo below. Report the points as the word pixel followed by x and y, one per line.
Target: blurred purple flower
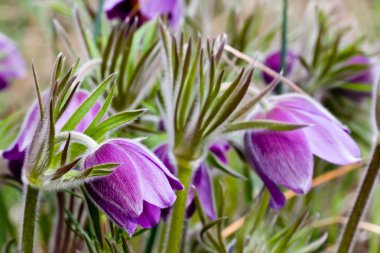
pixel 16 153
pixel 138 188
pixel 362 77
pixel 220 149
pixel 273 61
pixel 286 157
pixel 12 64
pixel 145 10
pixel 201 179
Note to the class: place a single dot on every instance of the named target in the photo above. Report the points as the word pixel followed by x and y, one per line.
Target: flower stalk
pixel 29 221
pixel 185 168
pixel 347 239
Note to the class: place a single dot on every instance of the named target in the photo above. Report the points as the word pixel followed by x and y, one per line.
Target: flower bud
pixel 17 152
pixel 273 61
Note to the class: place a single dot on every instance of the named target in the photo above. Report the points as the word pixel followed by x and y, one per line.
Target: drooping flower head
pixel 273 61
pixel 286 158
pixel 16 153
pixel 12 64
pixel 201 179
pixel 138 188
pixel 363 77
pixel 145 10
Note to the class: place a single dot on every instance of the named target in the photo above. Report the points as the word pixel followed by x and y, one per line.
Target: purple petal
pixel 12 64
pixel 3 83
pixel 149 155
pixel 16 152
pixel 220 149
pixel 278 199
pixel 328 140
pixel 364 76
pixel 273 61
pixel 152 9
pixel 304 104
pixel 112 211
pixel 122 189
pixel 203 184
pixel 156 188
pixel 118 8
pixel 150 216
pixel 284 157
pixel 162 152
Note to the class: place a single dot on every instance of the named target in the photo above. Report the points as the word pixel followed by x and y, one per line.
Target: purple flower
pixel 16 153
pixel 138 188
pixel 12 64
pixel 201 179
pixel 362 77
pixel 273 61
pixel 286 157
pixel 220 149
pixel 145 10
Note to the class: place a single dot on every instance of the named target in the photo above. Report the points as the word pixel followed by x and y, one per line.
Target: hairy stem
pixel 347 239
pixel 178 216
pixel 29 222
pixel 284 43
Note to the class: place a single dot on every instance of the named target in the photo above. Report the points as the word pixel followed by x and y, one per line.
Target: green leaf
pixel 95 171
pixel 271 125
pixel 102 110
pixel 250 104
pixel 252 221
pixel 359 87
pixel 214 161
pixel 8 127
pixel 283 243
pixel 113 122
pixel 87 104
pixel 226 106
pixel 94 217
pixel 65 169
pixel 312 247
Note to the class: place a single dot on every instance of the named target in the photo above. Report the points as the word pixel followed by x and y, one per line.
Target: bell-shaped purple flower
pixel 286 157
pixel 145 10
pixel 273 61
pixel 12 64
pixel 362 77
pixel 138 188
pixel 16 153
pixel 201 179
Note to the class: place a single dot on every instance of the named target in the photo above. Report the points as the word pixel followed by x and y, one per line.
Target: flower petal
pixel 328 140
pixel 301 103
pixel 112 211
pixel 124 179
pixel 220 149
pixel 150 216
pixel 149 155
pixel 202 183
pixel 156 188
pixel 283 157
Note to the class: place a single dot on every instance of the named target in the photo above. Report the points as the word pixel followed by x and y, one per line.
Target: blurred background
pixel 251 26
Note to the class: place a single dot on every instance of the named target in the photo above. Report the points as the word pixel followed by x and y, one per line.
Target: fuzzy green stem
pixel 347 239
pixel 284 43
pixel 29 222
pixel 178 216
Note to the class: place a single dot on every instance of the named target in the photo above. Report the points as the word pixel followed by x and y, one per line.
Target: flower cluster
pixel 12 64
